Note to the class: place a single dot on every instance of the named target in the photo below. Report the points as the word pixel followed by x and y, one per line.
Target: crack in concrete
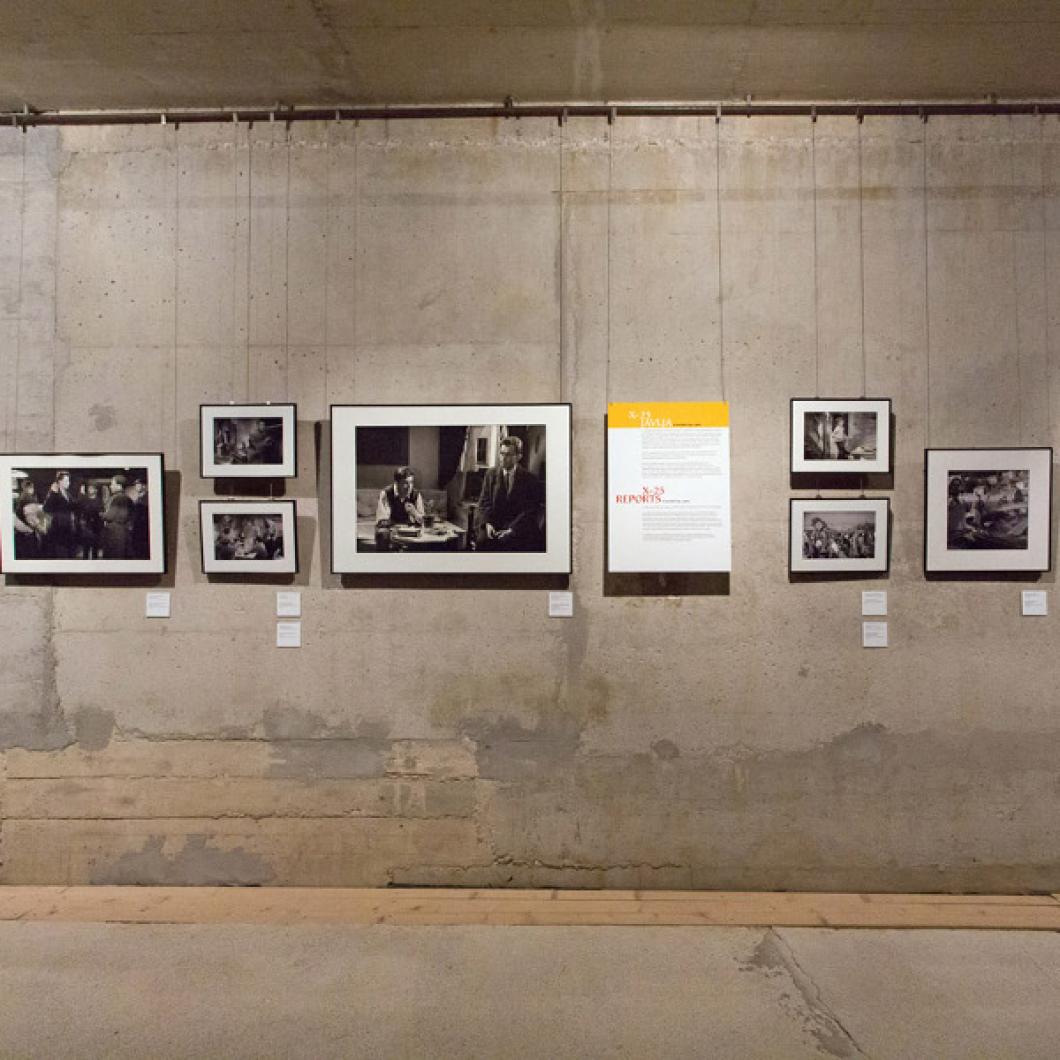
pixel 774 956
pixel 579 866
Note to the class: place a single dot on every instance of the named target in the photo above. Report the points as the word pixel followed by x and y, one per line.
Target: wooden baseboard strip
pixel 430 906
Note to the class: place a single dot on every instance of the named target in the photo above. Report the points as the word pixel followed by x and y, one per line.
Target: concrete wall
pixel 663 737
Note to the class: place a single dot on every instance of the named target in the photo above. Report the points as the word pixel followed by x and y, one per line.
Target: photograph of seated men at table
pixel 452 489
pixel 248 537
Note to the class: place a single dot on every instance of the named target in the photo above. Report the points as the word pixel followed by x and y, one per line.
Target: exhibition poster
pixel 668 486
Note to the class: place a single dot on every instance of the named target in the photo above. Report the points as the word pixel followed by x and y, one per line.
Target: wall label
pixel 668 486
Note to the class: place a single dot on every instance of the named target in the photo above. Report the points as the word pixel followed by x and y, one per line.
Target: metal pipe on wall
pixel 559 111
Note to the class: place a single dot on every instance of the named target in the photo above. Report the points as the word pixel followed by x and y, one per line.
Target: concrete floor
pixel 86 990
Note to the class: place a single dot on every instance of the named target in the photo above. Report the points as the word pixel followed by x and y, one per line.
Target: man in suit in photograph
pixel 510 506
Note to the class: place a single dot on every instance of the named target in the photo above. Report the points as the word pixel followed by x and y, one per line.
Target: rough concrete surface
pixel 82 990
pixel 734 735
pixel 58 55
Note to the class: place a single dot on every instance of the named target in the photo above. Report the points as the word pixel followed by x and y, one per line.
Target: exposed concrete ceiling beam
pixel 63 54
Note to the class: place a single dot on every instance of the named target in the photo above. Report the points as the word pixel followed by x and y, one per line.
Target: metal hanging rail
pixel 27 118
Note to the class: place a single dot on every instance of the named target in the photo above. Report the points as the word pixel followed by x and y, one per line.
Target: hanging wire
pixel 1015 288
pixel 861 262
pixel 610 194
pixel 562 271
pixel 12 427
pixel 327 248
pixel 816 284
pixel 287 268
pixel 356 233
pixel 721 298
pixel 250 247
pixel 1045 279
pixel 927 289
pixel 55 311
pixel 176 292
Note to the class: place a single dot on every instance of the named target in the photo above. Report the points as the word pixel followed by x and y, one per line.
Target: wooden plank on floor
pixel 302 905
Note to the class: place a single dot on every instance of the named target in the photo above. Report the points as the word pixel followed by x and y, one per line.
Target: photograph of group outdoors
pixel 836 536
pixel 248 441
pixel 840 436
pixel 988 510
pixel 82 514
pixel 248 537
pixel 470 494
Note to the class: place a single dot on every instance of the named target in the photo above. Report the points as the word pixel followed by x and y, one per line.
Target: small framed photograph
pixel 83 513
pixel 839 535
pixel 248 537
pixel 848 436
pixel 248 441
pixel 988 510
pixel 457 489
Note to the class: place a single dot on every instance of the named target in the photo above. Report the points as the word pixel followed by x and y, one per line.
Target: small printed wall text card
pixel 288 634
pixel 874 634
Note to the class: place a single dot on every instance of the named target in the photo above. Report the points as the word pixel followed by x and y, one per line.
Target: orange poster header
pixel 645 414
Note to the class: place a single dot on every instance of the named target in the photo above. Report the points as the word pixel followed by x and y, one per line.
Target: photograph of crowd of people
pixel 254 440
pixel 87 513
pixel 987 509
pixel 248 537
pixel 838 535
pixel 843 435
pixel 478 488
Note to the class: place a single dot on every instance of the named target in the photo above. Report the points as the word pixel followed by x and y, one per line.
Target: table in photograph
pixel 442 536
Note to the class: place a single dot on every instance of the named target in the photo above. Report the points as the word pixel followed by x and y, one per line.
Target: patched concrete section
pixel 861 811
pixel 774 958
pixel 196 864
pixel 31 713
pixel 668 735
pixel 93 728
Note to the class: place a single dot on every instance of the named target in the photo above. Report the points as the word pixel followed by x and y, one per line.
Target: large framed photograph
pixel 849 436
pixel 83 513
pixel 988 510
pixel 460 489
pixel 248 441
pixel 248 537
pixel 839 535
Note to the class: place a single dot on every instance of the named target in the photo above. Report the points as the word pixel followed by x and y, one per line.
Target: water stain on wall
pixel 196 864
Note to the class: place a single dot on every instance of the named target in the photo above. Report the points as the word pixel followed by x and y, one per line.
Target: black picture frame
pixel 555 558
pixel 946 471
pixel 125 535
pixel 804 466
pixel 288 512
pixel 285 467
pixel 878 564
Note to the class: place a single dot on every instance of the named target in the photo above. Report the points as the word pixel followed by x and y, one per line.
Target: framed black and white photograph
pixel 83 513
pixel 988 510
pixel 839 535
pixel 459 489
pixel 850 436
pixel 248 537
pixel 248 441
